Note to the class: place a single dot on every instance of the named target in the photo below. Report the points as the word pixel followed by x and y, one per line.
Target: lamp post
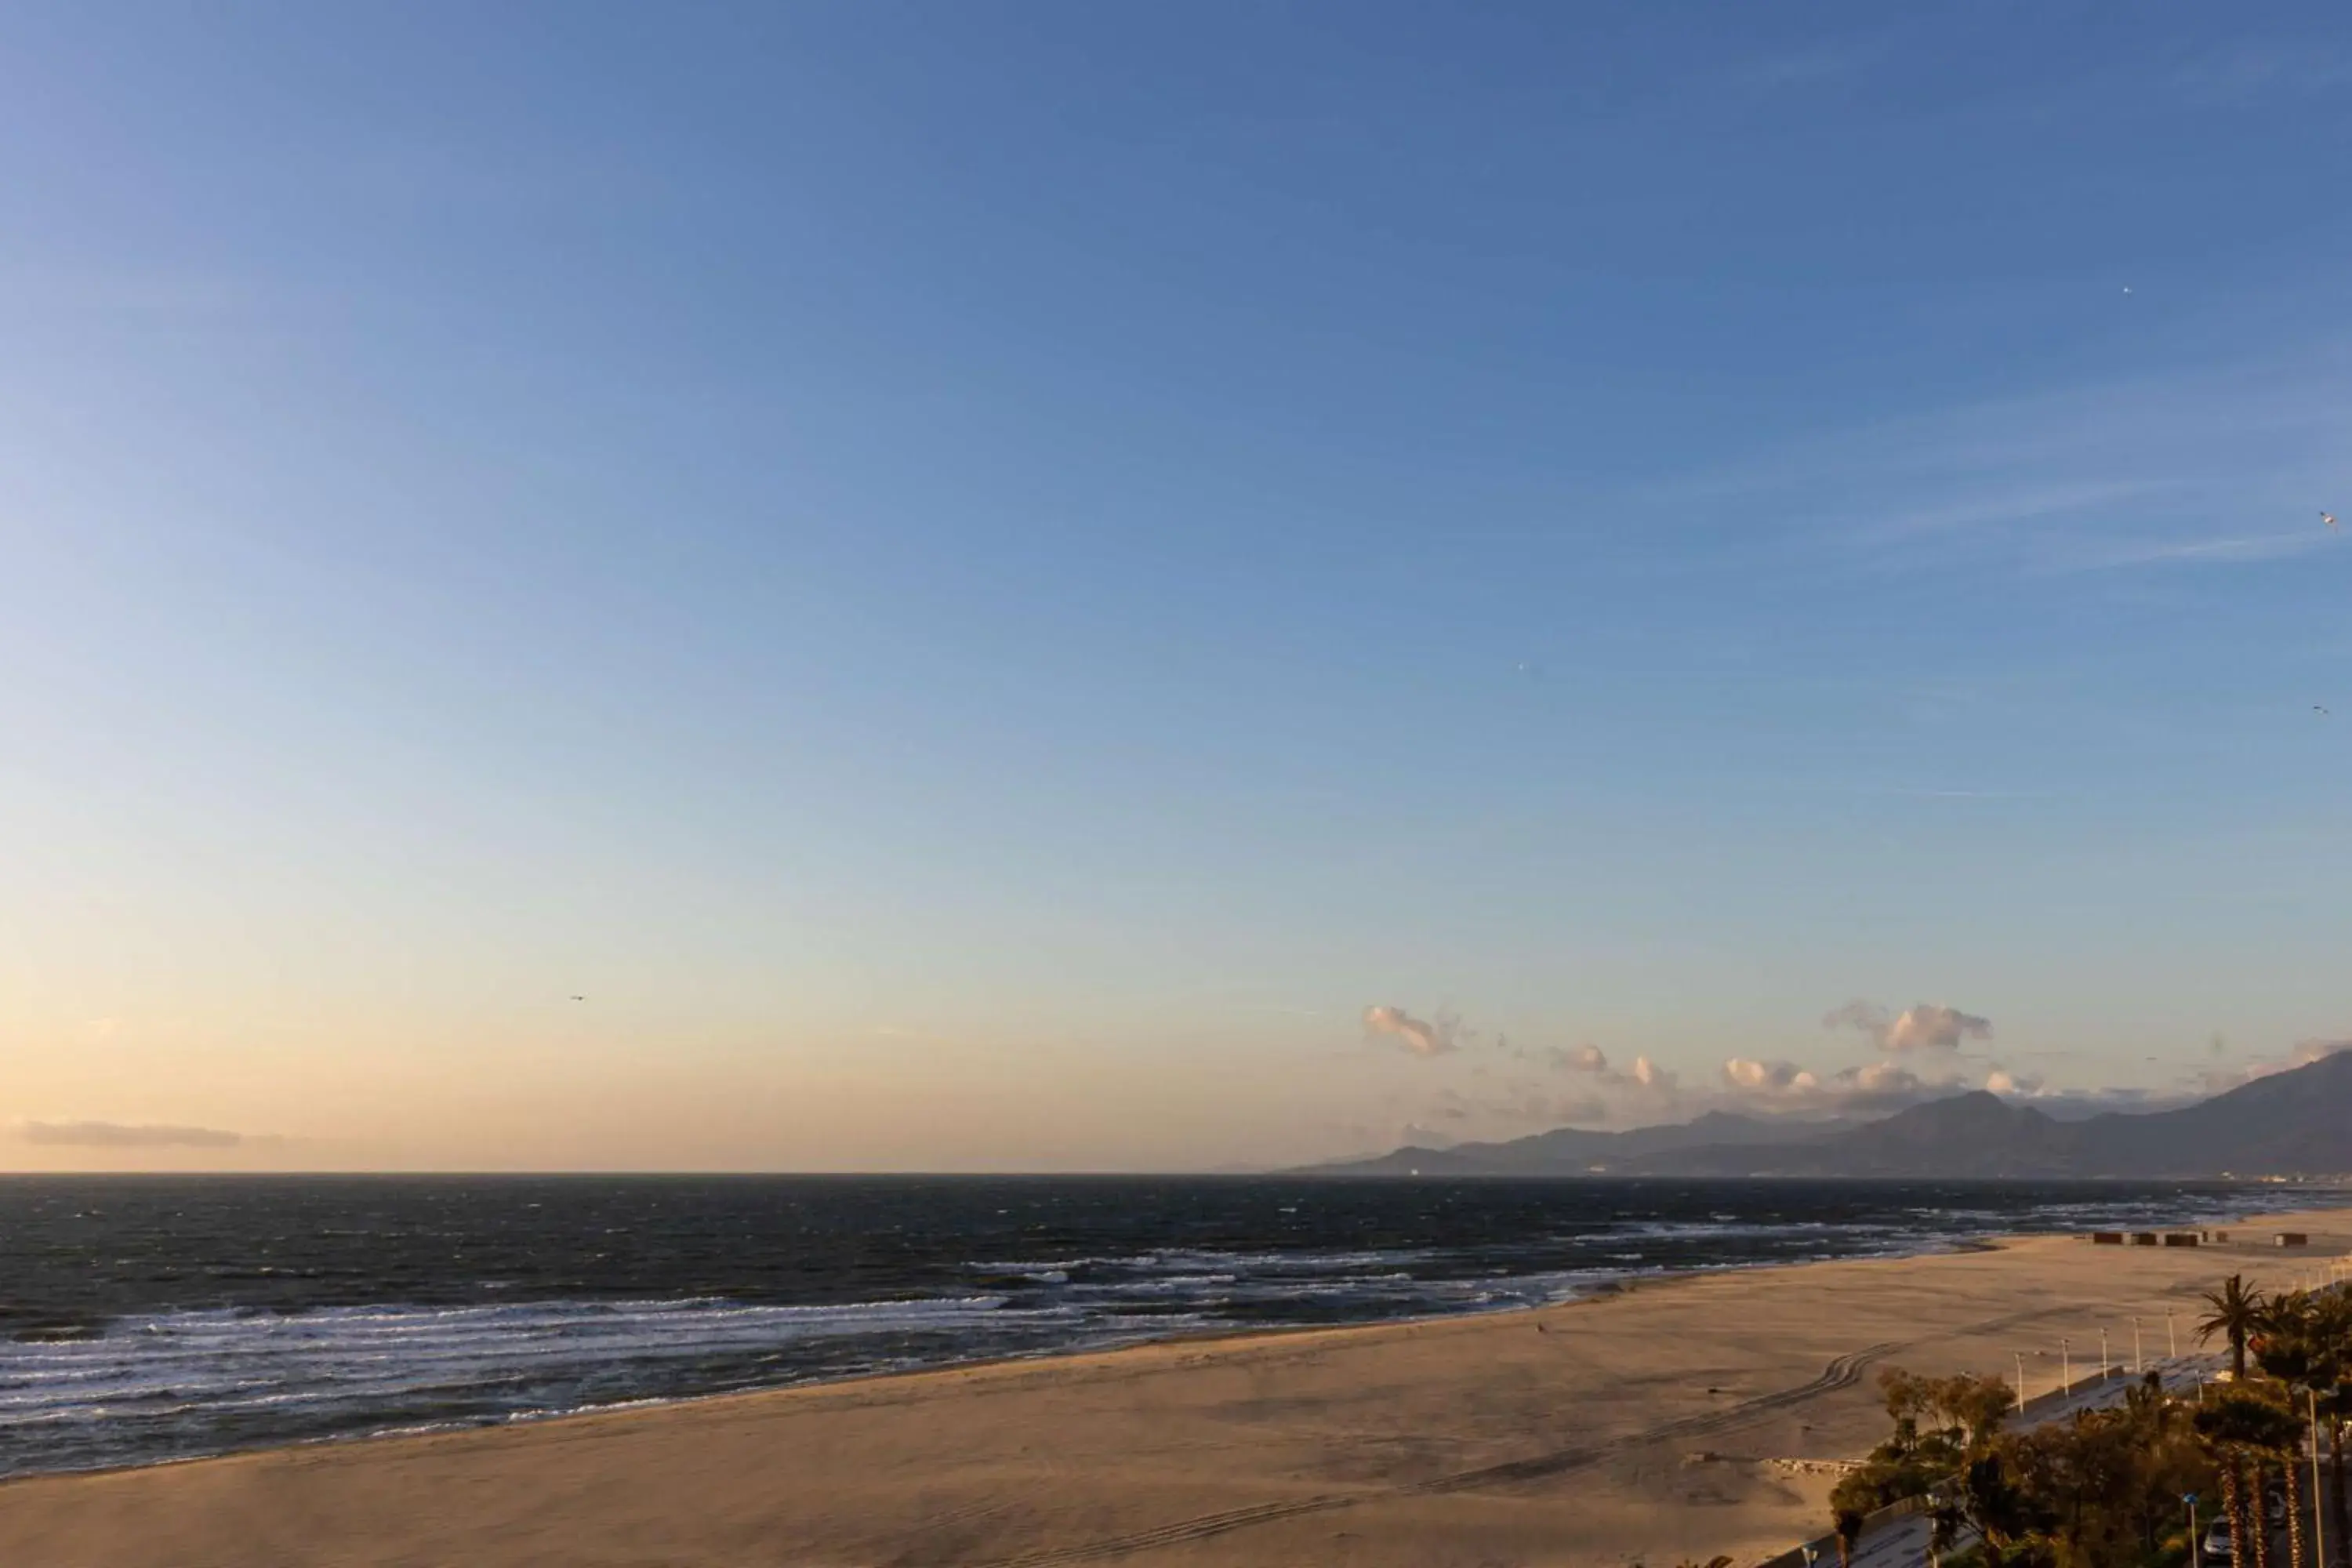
pixel 2065 1366
pixel 2135 1365
pixel 2021 1380
pixel 2103 1354
pixel 2318 1531
pixel 2171 1345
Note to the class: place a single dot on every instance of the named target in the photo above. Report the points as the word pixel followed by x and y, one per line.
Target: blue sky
pixel 982 579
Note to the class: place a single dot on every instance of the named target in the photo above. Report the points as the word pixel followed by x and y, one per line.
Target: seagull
pixel 2329 518
pixel 580 998
pixel 2315 708
pixel 2126 288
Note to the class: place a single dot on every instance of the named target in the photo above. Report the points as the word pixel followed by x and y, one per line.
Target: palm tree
pixel 2329 1331
pixel 2335 1409
pixel 2241 1430
pixel 2237 1312
pixel 2289 1350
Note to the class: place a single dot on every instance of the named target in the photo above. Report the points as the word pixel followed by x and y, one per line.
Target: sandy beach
pixel 1688 1416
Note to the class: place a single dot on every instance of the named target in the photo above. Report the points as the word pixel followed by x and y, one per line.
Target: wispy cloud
pixel 2207 466
pixel 142 1135
pixel 2261 69
pixel 2306 1052
pixel 2247 547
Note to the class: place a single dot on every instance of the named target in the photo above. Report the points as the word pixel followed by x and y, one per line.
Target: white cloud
pixel 1878 1079
pixel 2306 1052
pixel 1873 1087
pixel 1922 1026
pixel 1771 1078
pixel 1423 1038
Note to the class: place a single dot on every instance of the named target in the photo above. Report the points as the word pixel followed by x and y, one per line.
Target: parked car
pixel 2216 1547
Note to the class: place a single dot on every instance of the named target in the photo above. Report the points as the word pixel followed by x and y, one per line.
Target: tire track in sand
pixel 1842 1372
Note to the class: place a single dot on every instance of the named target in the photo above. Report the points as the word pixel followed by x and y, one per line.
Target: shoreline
pixel 1606 1286
pixel 1697 1412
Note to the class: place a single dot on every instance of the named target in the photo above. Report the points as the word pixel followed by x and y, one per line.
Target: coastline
pixel 1595 1284
pixel 1690 1414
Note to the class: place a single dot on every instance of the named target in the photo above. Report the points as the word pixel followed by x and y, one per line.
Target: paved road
pixel 1903 1543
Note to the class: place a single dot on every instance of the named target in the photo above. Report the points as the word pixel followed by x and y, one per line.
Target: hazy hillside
pixel 1571 1150
pixel 2291 1123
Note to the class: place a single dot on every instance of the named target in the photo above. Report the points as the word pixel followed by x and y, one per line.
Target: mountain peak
pixel 2297 1123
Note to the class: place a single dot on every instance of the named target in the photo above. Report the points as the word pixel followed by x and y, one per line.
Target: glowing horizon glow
pixel 987 598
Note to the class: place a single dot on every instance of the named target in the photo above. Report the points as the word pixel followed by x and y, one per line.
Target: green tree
pixel 2290 1349
pixel 1845 1522
pixel 2336 1412
pixel 2001 1513
pixel 2243 1429
pixel 2328 1328
pixel 1944 1523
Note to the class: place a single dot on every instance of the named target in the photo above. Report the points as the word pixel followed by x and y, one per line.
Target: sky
pixel 1055 587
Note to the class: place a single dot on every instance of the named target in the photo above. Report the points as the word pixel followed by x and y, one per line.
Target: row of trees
pixel 2100 1489
pixel 2093 1492
pixel 2300 1341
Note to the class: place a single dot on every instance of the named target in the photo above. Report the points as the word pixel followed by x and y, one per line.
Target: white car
pixel 2216 1548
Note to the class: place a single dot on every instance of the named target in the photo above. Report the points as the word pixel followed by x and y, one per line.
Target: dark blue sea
pixel 144 1319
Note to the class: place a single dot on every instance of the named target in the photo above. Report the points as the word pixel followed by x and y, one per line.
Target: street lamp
pixel 2136 1366
pixel 2065 1366
pixel 2171 1345
pixel 2319 1536
pixel 2021 1379
pixel 2103 1354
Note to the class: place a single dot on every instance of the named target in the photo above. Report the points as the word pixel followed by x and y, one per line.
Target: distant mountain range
pixel 1569 1151
pixel 2294 1123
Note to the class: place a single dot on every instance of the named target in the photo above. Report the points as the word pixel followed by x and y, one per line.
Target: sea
pixel 146 1319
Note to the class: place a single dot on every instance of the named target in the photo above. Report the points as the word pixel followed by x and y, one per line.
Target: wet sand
pixel 1686 1417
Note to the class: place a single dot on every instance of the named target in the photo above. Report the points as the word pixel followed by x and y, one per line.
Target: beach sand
pixel 1686 1417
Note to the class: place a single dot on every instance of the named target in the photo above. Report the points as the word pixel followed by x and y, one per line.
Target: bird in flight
pixel 2315 708
pixel 580 998
pixel 2329 518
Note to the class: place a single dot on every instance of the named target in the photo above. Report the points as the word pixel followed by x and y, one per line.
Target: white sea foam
pixel 223 1366
pixel 160 1384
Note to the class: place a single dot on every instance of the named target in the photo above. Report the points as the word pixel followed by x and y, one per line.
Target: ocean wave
pixel 273 1349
